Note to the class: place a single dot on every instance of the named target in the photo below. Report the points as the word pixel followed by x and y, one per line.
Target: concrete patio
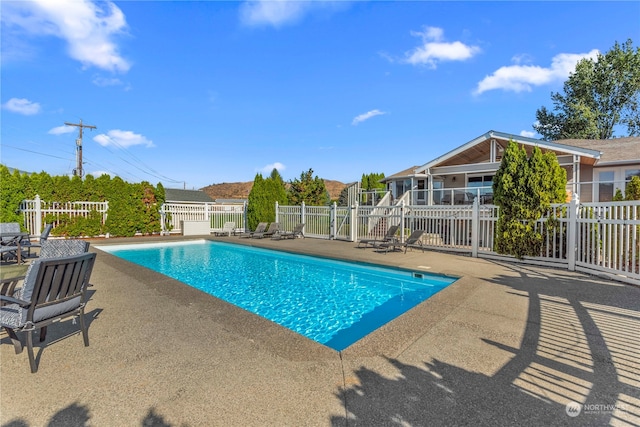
pixel 507 344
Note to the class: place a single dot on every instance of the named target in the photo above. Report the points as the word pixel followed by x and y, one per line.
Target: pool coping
pixel 390 338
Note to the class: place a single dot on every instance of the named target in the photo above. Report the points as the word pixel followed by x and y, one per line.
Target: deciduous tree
pixel 600 96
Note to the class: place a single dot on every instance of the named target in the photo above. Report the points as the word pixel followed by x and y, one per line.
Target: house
pixel 175 195
pixel 595 169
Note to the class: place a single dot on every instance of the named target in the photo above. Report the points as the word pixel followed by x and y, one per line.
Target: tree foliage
pixel 523 188
pixel 263 197
pixel 633 189
pixel 133 208
pixel 308 189
pixel 598 96
pixel 371 181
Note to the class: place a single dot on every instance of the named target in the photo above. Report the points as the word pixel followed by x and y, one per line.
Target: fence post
pixel 38 215
pixel 302 213
pixel 245 219
pixel 475 226
pixel 402 222
pixel 277 216
pixel 353 229
pixel 572 234
pixel 333 222
pixel 163 220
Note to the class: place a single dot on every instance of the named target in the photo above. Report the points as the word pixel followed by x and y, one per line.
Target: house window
pixel 481 185
pixel 484 182
pixel 421 193
pixel 609 180
pixel 402 186
pixel 605 186
pixel 628 174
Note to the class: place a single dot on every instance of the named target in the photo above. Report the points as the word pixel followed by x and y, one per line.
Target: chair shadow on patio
pixel 579 345
pixel 77 415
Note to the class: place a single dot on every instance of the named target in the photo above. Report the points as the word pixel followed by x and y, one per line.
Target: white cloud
pixel 87 28
pixel 434 49
pixel 273 12
pixel 527 134
pixel 521 78
pixel 277 13
pixel 267 169
pixel 366 116
pixel 106 81
pixel 122 139
pixel 22 106
pixel 61 130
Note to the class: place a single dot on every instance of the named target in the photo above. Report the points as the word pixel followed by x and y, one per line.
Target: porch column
pixel 576 177
pixel 430 186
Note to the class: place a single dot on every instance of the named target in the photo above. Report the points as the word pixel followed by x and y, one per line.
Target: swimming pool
pixel 335 303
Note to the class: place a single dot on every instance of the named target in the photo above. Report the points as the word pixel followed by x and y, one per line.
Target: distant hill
pixel 241 190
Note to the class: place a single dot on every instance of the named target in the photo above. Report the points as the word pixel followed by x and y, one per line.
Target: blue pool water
pixel 332 302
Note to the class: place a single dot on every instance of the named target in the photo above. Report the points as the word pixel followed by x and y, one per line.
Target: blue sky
pixel 196 93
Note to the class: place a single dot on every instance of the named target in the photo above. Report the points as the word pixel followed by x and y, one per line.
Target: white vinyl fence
pixel 608 239
pixel 599 238
pixel 35 211
pixel 174 214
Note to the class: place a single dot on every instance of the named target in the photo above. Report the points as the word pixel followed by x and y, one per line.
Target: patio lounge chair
pixel 388 237
pixel 63 248
pixel 298 231
pixel 28 244
pixel 50 249
pixel 259 229
pixel 54 289
pixel 228 229
pixel 274 228
pixel 413 241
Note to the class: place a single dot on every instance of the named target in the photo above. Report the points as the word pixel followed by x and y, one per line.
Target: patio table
pixel 14 239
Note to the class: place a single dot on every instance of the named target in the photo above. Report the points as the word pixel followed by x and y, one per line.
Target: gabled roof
pixel 615 150
pixel 188 196
pixel 505 137
pixel 407 173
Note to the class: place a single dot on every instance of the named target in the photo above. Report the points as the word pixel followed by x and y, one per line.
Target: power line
pixel 148 171
pixel 35 152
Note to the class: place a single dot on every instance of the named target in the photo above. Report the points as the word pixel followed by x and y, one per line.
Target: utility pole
pixel 78 170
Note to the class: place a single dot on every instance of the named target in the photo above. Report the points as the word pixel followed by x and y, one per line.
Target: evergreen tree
pixel 343 199
pixel 276 188
pixel 11 194
pixel 523 189
pixel 308 189
pixel 263 197
pixel 372 182
pixel 633 189
pixel 258 209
